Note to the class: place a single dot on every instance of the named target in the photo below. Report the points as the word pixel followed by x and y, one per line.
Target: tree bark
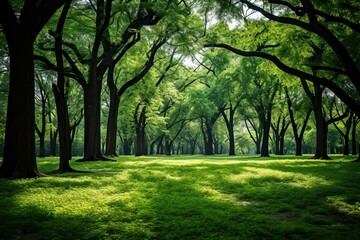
pixel 321 126
pixel 92 144
pixel 229 121
pixel 112 125
pixel 140 123
pixel 21 31
pixel 19 148
pixel 266 121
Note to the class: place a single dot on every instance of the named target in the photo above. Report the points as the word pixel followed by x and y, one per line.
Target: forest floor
pixel 187 197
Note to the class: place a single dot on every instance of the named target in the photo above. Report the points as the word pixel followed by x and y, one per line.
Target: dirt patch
pixel 285 217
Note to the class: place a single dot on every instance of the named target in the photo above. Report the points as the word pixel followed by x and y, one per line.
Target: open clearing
pixel 187 197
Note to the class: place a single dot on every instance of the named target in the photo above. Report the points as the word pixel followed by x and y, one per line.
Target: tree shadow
pixel 198 201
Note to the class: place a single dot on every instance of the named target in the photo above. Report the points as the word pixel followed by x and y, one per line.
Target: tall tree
pixel 293 106
pixel 144 16
pixel 21 23
pixel 324 21
pixel 42 100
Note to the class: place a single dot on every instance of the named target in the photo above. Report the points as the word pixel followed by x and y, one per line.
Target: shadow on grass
pixel 201 205
pixel 271 200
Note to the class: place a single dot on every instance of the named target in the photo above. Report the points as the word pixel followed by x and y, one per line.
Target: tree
pixel 294 104
pixel 21 23
pixel 260 94
pixel 43 100
pixel 320 118
pixel 144 16
pixel 226 87
pixel 315 21
pixel 279 129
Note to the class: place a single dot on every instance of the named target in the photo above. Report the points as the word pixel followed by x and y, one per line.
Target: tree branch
pixel 149 63
pixel 348 100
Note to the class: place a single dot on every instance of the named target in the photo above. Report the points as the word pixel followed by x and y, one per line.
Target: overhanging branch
pixel 348 100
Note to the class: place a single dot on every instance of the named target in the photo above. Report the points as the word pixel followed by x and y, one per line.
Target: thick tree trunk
pixel 112 126
pixel 298 147
pixel 321 126
pixel 19 159
pixel 113 113
pixel 231 141
pixel 266 123
pixel 230 127
pixel 209 150
pixel 265 140
pixel 92 145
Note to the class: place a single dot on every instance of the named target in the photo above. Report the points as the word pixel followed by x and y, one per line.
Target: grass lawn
pixel 187 197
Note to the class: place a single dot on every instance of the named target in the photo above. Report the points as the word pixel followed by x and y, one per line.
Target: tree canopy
pixel 102 78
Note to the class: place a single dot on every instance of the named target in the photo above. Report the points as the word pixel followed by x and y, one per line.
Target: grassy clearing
pixel 187 197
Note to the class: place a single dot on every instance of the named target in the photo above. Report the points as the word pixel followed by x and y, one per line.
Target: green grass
pixel 187 197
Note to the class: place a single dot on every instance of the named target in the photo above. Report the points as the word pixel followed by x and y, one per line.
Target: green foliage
pixel 186 197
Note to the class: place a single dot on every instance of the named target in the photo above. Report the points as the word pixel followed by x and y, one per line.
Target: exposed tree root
pixel 326 157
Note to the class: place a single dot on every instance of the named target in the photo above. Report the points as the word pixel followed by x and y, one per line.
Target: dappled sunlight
pixel 344 205
pixel 160 198
pixel 268 176
pixel 219 196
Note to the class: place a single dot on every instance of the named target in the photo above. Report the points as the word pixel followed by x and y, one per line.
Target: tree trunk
pixel 140 145
pixel 168 147
pixel 321 126
pixel 353 136
pixel 266 122
pixel 19 159
pixel 230 127
pixel 113 112
pixel 209 150
pixel 64 131
pixel 92 145
pixel 112 126
pixel 127 146
pixel 61 99
pixel 231 141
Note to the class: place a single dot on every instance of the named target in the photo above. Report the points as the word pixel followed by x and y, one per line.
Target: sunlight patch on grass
pixel 219 196
pixel 269 176
pixel 186 197
pixel 345 205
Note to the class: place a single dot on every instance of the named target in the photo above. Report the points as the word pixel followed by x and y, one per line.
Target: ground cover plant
pixel 187 197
